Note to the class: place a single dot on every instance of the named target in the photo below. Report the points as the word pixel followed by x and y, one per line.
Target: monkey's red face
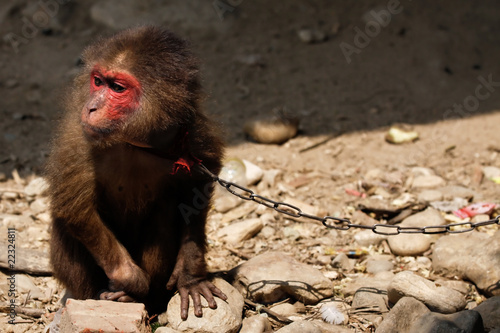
pixel 114 96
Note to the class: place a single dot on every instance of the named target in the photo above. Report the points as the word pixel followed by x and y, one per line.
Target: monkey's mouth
pixel 96 132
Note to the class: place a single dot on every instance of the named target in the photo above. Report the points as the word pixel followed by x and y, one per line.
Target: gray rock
pixel 253 173
pixel 430 181
pixel 491 172
pixel 273 276
pixel 166 330
pixel 461 322
pixel 368 237
pixel 38 206
pixel 378 283
pixel 370 298
pixel 430 195
pixel 226 318
pixel 255 324
pixel 329 328
pixel 438 298
pixel 300 327
pixel 285 309
pixel 490 312
pixel 416 244
pixel 376 266
pixel 342 261
pixel 409 244
pixel 36 187
pixel 18 222
pixel 237 232
pixel 402 316
pixel 311 35
pixel 471 256
pixel 449 206
pixel 454 191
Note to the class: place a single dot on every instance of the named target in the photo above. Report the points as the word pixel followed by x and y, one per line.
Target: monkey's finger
pixel 217 292
pixel 184 293
pixel 172 282
pixel 207 293
pixel 112 295
pixel 195 295
pixel 126 299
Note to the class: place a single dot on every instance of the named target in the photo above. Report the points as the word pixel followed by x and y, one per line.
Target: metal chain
pixel 342 223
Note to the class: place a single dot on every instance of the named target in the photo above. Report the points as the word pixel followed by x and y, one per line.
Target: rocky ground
pixel 433 69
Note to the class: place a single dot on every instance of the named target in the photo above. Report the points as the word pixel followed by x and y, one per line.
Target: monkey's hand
pixel 195 288
pixel 126 283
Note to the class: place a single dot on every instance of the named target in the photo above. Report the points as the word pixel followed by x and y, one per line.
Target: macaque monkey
pixel 127 222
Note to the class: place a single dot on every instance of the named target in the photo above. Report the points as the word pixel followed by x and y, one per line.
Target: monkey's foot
pixel 205 288
pixel 118 296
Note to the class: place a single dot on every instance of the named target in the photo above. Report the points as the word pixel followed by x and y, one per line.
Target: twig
pixel 317 144
pixel 260 307
pixel 238 253
pixel 24 312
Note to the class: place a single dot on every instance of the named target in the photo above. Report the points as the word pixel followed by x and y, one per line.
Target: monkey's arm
pixel 190 272
pixel 73 210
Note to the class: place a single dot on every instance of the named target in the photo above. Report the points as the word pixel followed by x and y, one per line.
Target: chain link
pixel 342 223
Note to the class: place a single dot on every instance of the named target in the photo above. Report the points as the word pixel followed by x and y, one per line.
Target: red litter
pixel 475 209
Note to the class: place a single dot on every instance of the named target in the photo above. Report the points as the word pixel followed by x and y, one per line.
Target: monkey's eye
pixel 97 81
pixel 117 87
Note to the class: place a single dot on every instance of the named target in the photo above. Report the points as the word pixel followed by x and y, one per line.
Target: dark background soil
pixel 425 60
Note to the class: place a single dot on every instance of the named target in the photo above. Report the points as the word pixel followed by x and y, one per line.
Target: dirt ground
pixel 432 65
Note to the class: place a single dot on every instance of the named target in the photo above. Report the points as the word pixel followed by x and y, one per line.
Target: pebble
pixel 275 130
pixel 377 266
pixel 491 172
pixel 416 244
pixel 19 222
pixel 300 327
pixel 455 191
pixel 25 285
pixel 398 136
pixel 438 298
pixel 311 36
pixel 253 173
pixel 255 324
pixel 490 312
pixel 285 276
pixel 402 316
pixel 449 206
pixel 366 297
pixel 285 309
pixel 36 187
pixel 237 232
pixel 343 261
pixel 431 181
pixel 166 330
pixel 39 206
pixel 378 283
pixel 470 256
pixel 430 195
pixel 421 171
pixel 368 237
pixel 460 322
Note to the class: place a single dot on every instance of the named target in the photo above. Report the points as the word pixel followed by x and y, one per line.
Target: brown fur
pixel 115 208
